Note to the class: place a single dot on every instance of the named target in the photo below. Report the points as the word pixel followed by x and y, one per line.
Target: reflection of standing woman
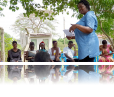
pixel 87 40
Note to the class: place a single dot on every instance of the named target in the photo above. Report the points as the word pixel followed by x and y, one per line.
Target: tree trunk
pixel 2 57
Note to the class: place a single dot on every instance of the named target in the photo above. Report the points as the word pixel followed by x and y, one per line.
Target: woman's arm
pixel 19 55
pixel 111 49
pixel 70 37
pixel 83 29
pixel 27 58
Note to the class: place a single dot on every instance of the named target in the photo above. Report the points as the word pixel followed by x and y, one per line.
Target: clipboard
pixel 69 33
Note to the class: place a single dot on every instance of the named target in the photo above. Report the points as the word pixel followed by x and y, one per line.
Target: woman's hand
pixel 72 28
pixel 57 59
pixel 69 37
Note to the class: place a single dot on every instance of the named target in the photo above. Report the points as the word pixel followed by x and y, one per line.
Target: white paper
pixel 69 33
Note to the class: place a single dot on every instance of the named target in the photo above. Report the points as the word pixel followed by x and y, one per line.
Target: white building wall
pixel 39 40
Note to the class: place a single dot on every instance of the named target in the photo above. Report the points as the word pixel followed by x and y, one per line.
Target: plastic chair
pixel 62 57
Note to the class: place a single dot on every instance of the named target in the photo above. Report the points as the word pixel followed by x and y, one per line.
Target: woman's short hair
pixel 86 3
pixel 31 43
pixel 104 42
pixel 54 42
pixel 14 42
pixel 70 42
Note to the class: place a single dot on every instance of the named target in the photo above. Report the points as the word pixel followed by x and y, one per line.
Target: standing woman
pixel 54 52
pixel 85 36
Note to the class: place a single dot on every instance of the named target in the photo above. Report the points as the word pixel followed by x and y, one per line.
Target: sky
pixel 10 18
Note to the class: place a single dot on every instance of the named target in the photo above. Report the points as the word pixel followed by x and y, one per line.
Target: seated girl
pixel 31 53
pixel 55 75
pixel 54 52
pixel 14 72
pixel 14 55
pixel 106 55
pixel 69 74
pixel 42 47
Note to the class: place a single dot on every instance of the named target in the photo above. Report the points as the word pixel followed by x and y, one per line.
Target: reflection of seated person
pixel 106 55
pixel 69 53
pixel 14 55
pixel 42 71
pixel 105 79
pixel 14 72
pixel 106 71
pixel 54 52
pixel 55 74
pixel 69 75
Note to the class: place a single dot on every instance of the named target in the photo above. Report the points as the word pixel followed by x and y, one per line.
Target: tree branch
pixel 102 28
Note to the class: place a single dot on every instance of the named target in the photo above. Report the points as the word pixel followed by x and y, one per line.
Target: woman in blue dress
pixel 85 36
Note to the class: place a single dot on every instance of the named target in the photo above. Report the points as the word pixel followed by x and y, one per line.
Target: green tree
pixel 104 10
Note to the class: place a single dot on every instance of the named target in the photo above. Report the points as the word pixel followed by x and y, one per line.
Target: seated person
pixel 42 71
pixel 69 75
pixel 31 53
pixel 42 47
pixel 54 52
pixel 14 55
pixel 14 72
pixel 55 74
pixel 69 53
pixel 106 55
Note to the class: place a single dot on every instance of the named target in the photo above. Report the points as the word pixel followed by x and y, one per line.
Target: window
pixel 35 42
pixel 46 41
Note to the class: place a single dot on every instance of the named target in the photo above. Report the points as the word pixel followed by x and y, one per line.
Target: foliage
pixel 104 10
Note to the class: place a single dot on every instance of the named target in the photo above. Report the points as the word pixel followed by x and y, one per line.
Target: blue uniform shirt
pixel 88 44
